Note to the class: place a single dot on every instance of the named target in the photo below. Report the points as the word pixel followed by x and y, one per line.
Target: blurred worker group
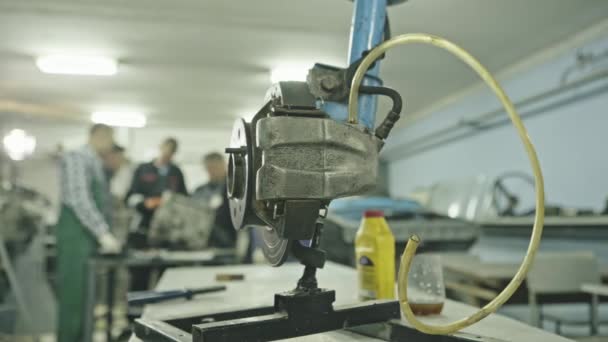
pixel 99 177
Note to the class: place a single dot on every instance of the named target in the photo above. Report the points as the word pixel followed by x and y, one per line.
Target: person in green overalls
pixel 82 229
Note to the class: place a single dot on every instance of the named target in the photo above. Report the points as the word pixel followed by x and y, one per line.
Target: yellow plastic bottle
pixel 375 257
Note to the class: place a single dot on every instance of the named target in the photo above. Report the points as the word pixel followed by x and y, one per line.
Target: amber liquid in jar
pixel 426 309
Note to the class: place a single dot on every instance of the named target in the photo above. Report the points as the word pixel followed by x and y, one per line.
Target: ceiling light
pixel 289 73
pixel 454 210
pixel 19 144
pixel 77 65
pixel 119 119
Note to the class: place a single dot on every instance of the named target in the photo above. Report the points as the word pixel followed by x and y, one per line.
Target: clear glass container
pixel 426 289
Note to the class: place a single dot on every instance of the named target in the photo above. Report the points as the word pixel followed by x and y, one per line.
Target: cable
pixel 384 129
pixel 389 92
pixel 412 244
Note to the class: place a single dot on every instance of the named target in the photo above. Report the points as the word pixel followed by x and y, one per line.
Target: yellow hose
pixel 412 244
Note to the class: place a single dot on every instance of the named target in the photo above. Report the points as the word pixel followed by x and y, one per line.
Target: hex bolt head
pixel 329 83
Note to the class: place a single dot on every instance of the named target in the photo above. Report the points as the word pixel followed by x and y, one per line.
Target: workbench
pixel 477 282
pixel 490 273
pixel 495 257
pixel 156 260
pixel 262 282
pixel 596 291
pixel 506 239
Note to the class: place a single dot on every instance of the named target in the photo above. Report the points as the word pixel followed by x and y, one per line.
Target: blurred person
pixel 83 227
pixel 118 171
pixel 151 179
pixel 214 194
pixel 149 182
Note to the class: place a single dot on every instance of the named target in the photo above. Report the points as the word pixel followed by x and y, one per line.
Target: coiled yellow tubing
pixel 412 244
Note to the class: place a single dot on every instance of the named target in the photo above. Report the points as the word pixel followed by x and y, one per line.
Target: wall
pixel 571 140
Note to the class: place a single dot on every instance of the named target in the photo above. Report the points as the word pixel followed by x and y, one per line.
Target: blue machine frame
pixel 367 30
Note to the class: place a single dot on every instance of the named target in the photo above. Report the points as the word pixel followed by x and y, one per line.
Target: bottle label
pixel 367 278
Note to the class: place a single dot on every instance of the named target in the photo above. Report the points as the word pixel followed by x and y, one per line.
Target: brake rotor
pixel 241 193
pixel 275 248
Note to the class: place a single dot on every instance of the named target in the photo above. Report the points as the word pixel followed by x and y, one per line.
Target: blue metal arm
pixel 367 29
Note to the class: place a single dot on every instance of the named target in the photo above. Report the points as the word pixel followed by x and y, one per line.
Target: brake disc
pixel 275 248
pixel 240 180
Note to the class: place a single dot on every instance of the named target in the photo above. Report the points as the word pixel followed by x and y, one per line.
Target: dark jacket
pixel 149 181
pixel 223 234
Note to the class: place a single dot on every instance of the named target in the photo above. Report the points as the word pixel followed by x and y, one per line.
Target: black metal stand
pixel 294 314
pixel 400 332
pixel 304 311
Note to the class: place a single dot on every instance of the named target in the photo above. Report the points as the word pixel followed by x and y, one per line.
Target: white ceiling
pixel 194 63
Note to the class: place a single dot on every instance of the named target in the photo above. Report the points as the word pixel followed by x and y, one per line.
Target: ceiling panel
pixel 201 63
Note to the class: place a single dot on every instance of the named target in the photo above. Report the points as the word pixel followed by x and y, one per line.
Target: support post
pixel 367 30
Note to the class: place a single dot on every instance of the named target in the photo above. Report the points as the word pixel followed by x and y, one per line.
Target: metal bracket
pixel 298 219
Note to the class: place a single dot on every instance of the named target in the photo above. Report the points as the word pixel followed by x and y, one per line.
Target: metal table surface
pixel 599 221
pixel 486 272
pixel 596 291
pixel 262 281
pixel 161 257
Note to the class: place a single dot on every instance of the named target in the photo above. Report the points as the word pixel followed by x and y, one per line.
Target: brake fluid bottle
pixel 375 257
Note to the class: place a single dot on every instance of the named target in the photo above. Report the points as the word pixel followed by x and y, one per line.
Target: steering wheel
pixel 505 200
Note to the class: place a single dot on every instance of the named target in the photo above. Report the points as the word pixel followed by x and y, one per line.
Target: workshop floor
pixel 99 334
pixel 99 337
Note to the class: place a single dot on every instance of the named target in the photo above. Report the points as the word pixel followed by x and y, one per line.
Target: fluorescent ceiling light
pixel 289 73
pixel 77 65
pixel 119 119
pixel 19 144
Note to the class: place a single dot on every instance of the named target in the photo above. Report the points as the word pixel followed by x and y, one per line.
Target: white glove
pixel 108 244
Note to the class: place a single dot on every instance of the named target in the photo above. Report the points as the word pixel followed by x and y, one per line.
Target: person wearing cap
pixel 82 229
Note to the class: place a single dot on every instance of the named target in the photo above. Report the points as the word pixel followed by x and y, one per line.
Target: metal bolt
pixel 329 83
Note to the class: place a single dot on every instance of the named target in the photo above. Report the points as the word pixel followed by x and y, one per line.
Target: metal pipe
pixel 484 128
pixel 475 125
pixel 583 60
pixel 367 29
